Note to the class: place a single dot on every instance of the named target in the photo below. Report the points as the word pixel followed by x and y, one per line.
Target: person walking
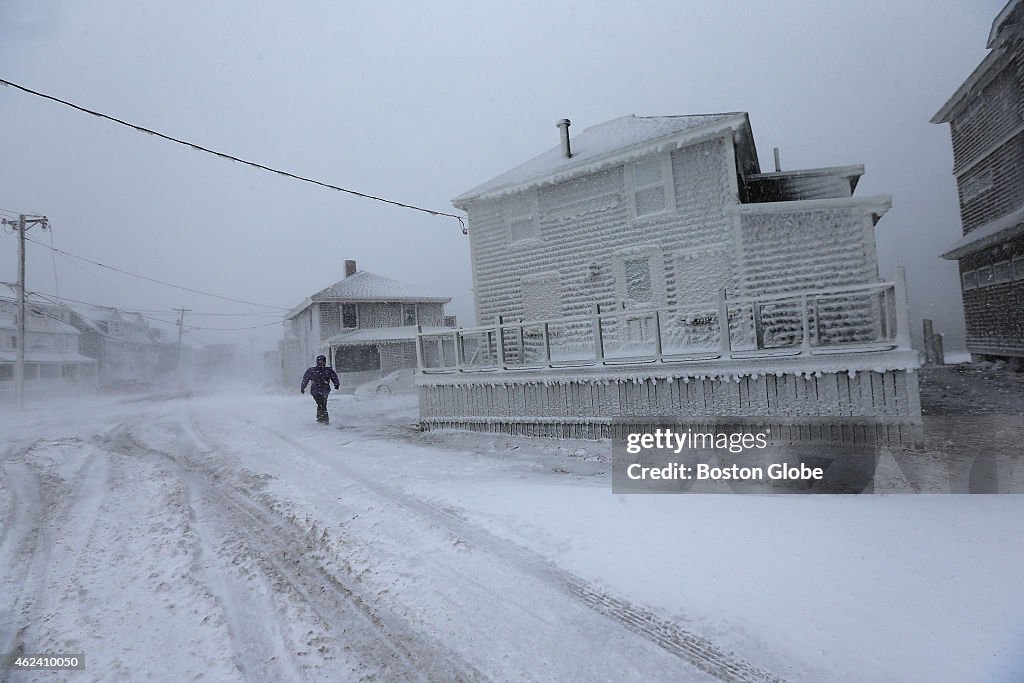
pixel 321 377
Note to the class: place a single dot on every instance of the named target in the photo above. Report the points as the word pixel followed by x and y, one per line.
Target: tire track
pixel 46 508
pixel 281 549
pixel 666 634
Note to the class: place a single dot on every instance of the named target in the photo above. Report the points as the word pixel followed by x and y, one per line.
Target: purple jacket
pixel 321 377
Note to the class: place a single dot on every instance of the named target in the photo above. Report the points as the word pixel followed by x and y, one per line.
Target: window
pixel 1002 271
pixel 970 279
pixel 6 372
pixel 640 277
pixel 349 316
pixel 1018 267
pixel 985 276
pixel 356 358
pixel 638 280
pixel 975 186
pixel 14 341
pixel 408 314
pixel 649 183
pixel 521 216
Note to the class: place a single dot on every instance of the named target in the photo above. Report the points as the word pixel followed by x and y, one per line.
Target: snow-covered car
pixel 397 382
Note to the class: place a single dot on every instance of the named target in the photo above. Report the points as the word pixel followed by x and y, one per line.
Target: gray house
pixel 648 266
pixel 986 121
pixel 365 324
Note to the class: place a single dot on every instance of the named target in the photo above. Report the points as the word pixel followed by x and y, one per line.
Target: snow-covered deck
pixel 838 352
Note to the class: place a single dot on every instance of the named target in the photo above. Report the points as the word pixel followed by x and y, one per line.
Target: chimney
pixel 564 125
pixel 778 164
pixel 350 268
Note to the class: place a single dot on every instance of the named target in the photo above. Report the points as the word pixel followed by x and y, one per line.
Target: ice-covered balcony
pixel 812 328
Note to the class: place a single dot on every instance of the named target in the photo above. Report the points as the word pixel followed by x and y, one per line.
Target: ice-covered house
pixel 649 267
pixel 986 121
pixel 365 324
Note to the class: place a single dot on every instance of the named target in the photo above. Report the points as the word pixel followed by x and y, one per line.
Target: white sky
pixel 422 103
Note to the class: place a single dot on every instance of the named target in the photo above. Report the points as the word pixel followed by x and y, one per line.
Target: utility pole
pixel 181 329
pixel 23 224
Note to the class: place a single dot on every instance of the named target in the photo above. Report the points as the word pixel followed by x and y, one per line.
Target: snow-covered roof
pixel 364 286
pixel 602 146
pixel 95 313
pixel 1001 229
pixel 378 335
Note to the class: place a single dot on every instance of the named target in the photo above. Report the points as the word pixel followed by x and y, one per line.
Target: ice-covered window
pixel 970 279
pixel 638 280
pixel 650 186
pixel 408 314
pixel 521 216
pixel 975 186
pixel 985 276
pixel 1002 271
pixel 349 316
pixel 1018 267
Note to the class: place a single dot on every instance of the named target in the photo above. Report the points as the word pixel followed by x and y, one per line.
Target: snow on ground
pixel 229 537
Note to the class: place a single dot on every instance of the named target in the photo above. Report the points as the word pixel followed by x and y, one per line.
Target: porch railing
pixel 859 318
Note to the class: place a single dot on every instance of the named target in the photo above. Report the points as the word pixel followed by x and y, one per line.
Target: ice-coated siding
pixel 776 187
pixel 583 225
pixel 806 249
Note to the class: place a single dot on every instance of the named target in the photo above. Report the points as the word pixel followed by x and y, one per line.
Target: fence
pixel 860 318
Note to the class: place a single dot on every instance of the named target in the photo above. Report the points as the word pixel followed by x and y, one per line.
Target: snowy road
pixel 228 538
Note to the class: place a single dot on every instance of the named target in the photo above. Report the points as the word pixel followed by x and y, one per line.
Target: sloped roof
pixel 1005 25
pixel 367 287
pixel 1001 229
pixel 1010 14
pixel 604 142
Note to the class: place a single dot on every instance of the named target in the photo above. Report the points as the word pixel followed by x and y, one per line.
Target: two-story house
pixel 127 348
pixel 986 122
pixel 365 324
pixel 52 357
pixel 647 266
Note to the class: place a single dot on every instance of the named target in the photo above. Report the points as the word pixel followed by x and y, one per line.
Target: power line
pixel 150 279
pixel 230 157
pixel 56 299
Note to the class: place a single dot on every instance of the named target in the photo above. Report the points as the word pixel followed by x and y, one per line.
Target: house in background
pixel 128 350
pixel 52 357
pixel 986 122
pixel 649 267
pixel 365 324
